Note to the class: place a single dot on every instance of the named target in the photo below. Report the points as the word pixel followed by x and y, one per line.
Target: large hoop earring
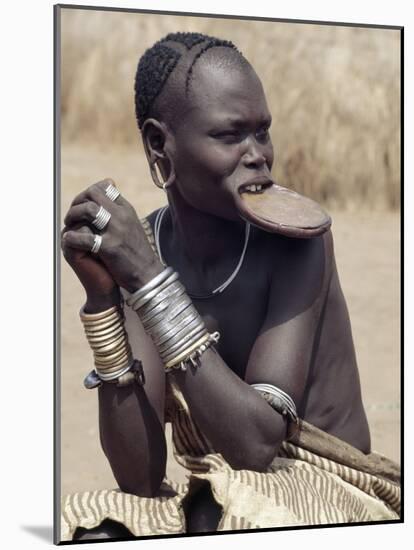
pixel 155 174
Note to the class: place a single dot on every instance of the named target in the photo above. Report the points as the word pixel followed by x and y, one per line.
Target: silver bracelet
pixel 279 400
pixel 192 357
pixel 182 320
pixel 161 306
pixel 134 373
pixel 182 344
pixel 176 333
pixel 173 342
pixel 155 296
pixel 171 320
pixel 153 283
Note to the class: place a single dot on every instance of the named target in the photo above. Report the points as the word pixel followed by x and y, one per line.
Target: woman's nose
pixel 254 156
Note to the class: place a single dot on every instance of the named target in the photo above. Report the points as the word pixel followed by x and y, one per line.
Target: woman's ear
pixel 154 136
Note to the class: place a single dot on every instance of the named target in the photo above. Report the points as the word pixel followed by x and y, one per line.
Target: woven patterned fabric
pixel 299 488
pixel 142 516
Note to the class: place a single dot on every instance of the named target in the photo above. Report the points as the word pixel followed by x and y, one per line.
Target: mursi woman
pixel 198 317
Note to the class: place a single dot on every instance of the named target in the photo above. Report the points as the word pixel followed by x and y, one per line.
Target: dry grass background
pixel 333 91
pixel 334 96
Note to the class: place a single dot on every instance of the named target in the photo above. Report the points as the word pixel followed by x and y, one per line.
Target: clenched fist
pixel 125 258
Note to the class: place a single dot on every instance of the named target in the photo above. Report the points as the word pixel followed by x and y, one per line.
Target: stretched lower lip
pixel 280 210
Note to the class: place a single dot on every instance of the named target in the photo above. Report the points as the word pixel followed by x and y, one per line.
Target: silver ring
pixel 112 192
pixel 101 219
pixel 96 244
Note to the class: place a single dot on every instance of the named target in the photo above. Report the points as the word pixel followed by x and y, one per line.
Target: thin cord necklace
pixel 223 286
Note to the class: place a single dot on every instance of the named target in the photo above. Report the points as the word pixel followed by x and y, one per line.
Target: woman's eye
pixel 230 136
pixel 263 135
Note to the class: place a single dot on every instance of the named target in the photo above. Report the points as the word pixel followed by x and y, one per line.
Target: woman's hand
pixel 101 290
pixel 125 251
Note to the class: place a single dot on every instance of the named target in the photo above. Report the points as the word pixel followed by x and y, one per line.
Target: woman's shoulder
pixel 297 260
pixel 278 246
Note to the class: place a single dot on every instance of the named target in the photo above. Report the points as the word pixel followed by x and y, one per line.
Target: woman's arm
pixel 235 418
pixel 131 420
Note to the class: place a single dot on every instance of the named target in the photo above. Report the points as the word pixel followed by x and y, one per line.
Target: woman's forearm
pixel 132 438
pixel 131 433
pixel 239 423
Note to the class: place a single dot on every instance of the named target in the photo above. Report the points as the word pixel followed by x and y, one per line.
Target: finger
pixel 62 237
pixel 71 254
pixel 68 252
pixel 81 239
pixel 103 185
pixel 83 212
pixel 96 193
pixel 73 227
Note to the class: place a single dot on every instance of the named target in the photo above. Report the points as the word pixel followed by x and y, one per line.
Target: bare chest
pixel 238 315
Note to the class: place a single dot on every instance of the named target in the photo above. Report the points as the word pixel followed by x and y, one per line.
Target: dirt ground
pixel 367 253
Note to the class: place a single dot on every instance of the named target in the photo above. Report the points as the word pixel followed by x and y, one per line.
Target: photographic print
pixel 228 203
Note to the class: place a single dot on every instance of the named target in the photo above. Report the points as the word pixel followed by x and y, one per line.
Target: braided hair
pixel 159 61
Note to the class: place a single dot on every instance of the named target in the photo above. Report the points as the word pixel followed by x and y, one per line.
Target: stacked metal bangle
pixel 170 318
pixel 108 339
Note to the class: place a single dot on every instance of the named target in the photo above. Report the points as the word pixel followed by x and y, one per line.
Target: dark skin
pixel 282 321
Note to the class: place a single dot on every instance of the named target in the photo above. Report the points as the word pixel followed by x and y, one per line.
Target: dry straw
pixel 334 93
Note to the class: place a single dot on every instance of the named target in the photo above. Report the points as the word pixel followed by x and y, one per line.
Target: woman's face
pixel 222 141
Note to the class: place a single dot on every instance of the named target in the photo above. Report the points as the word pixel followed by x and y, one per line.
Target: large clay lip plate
pixel 281 210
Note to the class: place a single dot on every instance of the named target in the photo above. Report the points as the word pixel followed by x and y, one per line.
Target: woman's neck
pixel 203 239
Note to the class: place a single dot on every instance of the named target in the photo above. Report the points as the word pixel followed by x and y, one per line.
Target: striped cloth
pixel 299 488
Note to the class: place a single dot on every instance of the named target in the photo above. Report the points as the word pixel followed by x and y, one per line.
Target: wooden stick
pixel 328 446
